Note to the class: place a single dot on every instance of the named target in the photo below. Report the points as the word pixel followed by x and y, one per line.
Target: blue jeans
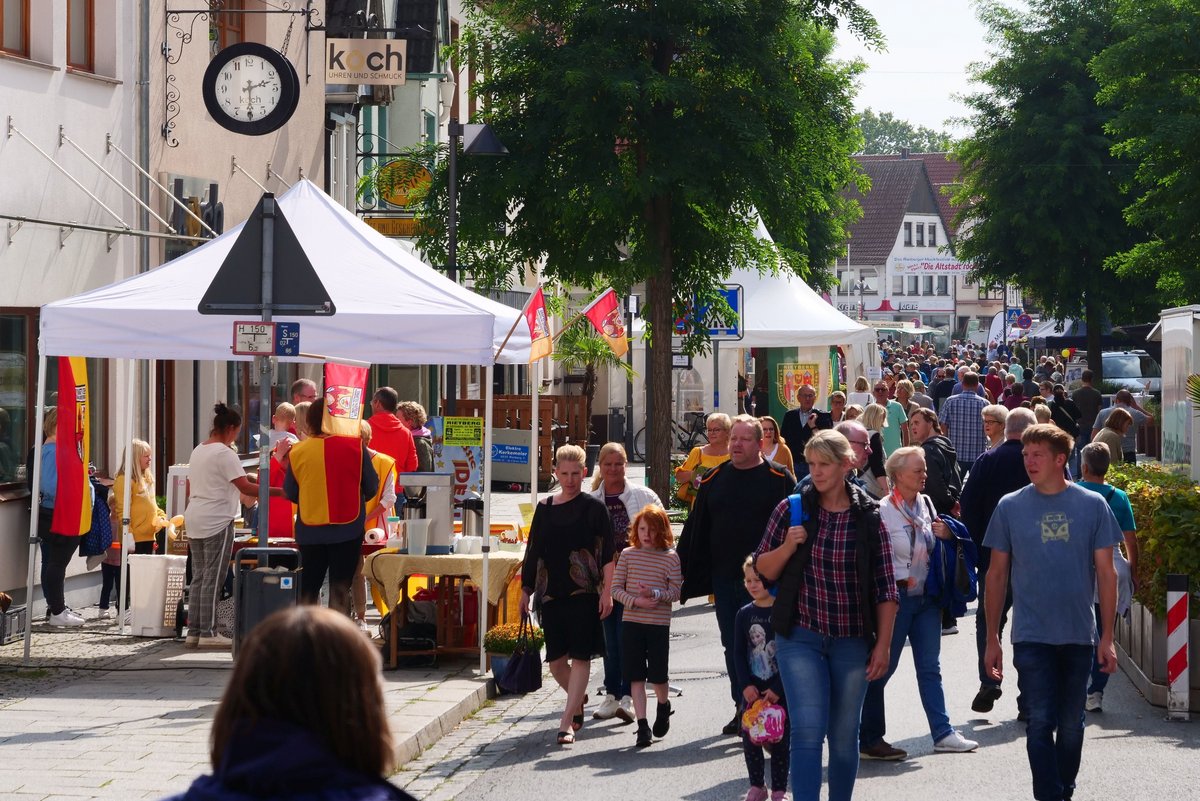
pixel 920 621
pixel 730 596
pixel 825 680
pixel 1099 678
pixel 981 627
pixel 613 683
pixel 1053 680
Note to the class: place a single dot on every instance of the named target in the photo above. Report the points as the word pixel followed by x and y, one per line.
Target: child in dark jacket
pixel 758 676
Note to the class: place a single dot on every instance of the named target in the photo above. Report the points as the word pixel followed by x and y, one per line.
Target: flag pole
pixel 508 336
pixel 567 325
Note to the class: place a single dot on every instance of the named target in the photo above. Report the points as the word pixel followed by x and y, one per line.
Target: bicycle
pixel 686 437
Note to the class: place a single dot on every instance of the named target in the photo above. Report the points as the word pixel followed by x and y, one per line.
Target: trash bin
pixel 261 587
pixel 155 589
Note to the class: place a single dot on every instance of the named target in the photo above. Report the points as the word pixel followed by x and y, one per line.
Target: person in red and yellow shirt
pixel 329 478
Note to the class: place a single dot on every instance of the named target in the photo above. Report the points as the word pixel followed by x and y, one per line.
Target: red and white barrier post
pixel 1178 675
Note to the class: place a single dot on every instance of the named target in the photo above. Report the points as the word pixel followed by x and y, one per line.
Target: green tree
pixel 643 137
pixel 886 133
pixel 1041 197
pixel 1150 79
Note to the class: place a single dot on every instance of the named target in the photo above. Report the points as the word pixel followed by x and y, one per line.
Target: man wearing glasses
pixel 800 423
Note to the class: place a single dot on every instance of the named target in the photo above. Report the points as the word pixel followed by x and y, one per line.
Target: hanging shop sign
pixel 373 62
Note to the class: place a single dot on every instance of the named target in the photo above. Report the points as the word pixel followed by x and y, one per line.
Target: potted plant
pixel 500 642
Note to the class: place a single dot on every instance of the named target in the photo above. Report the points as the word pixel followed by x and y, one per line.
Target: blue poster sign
pixel 287 339
pixel 510 454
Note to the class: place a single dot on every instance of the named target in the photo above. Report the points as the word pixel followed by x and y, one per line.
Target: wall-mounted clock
pixel 251 88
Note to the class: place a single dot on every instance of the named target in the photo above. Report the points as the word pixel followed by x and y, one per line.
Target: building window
pixel 81 27
pixel 926 284
pixel 914 284
pixel 897 284
pixel 841 288
pixel 933 235
pixel 943 285
pixel 908 240
pixel 870 279
pixel 18 365
pixel 227 29
pixel 920 235
pixel 14 27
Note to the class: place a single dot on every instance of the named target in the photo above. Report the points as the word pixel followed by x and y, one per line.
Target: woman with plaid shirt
pixel 833 614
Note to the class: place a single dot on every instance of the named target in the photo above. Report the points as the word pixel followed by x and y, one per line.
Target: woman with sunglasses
pixel 703 458
pixel 773 448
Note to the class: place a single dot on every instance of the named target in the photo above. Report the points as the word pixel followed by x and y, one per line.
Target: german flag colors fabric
pixel 345 391
pixel 605 314
pixel 73 502
pixel 542 344
pixel 329 472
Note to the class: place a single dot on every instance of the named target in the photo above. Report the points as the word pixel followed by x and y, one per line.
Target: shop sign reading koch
pixel 365 61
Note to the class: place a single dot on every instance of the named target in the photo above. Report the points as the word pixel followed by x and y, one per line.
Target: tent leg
pixel 487 510
pixel 35 506
pixel 130 469
pixel 535 383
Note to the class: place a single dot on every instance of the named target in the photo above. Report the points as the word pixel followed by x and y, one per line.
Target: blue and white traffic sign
pixel 704 316
pixel 1012 315
pixel 287 339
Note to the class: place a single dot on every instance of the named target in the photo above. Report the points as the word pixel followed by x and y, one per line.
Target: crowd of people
pixel 830 540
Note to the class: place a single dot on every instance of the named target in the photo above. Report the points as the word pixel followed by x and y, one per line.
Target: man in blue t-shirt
pixel 1094 462
pixel 1055 539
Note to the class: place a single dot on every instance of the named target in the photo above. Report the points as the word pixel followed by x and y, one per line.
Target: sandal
pixel 577 720
pixel 566 737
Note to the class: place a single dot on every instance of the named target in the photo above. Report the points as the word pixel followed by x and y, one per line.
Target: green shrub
pixel 1166 508
pixel 502 638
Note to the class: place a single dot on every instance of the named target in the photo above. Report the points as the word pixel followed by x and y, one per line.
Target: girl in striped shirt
pixel 647 581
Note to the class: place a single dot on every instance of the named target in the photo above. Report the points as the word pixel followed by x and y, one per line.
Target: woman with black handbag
pixel 569 568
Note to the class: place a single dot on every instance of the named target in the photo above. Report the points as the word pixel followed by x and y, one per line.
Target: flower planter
pixel 498 663
pixel 1142 652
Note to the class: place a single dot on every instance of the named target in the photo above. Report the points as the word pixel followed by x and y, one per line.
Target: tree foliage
pixel 643 137
pixel 1150 79
pixel 886 133
pixel 1041 197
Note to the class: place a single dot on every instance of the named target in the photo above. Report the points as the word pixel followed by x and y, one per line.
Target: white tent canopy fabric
pixel 391 307
pixel 782 311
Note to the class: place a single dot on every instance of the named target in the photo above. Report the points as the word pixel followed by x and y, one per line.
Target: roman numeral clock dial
pixel 251 89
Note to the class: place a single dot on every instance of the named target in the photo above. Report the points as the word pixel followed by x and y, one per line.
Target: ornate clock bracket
pixel 179 34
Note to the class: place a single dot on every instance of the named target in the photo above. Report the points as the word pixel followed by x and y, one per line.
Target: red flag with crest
pixel 605 314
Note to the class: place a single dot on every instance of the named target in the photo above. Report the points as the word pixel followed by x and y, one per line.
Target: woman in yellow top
pixel 146 520
pixel 773 448
pixel 703 458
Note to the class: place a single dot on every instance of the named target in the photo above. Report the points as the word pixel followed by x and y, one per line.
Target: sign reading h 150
pixel 365 61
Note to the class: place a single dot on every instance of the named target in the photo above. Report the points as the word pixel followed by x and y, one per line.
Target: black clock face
pixel 251 89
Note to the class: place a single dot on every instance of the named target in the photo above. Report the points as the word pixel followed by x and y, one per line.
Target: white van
pixel 1134 370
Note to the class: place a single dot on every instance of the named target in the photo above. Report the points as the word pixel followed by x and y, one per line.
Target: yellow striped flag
pixel 73 499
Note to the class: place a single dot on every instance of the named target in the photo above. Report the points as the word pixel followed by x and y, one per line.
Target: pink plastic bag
pixel 764 722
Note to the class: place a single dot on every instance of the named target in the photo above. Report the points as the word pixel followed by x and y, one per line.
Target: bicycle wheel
pixel 639 446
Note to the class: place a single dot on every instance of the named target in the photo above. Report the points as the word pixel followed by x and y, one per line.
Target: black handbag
pixel 523 674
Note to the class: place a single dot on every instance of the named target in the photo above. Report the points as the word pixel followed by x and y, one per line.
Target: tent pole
pixel 488 370
pixel 263 363
pixel 535 382
pixel 126 493
pixel 34 540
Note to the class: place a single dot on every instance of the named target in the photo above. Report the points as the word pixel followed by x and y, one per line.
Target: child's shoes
pixel 662 720
pixel 756 794
pixel 643 735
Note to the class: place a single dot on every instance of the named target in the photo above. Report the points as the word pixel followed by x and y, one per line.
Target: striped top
pixel 653 569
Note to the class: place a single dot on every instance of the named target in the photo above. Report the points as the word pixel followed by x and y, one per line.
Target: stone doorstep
pixel 456 699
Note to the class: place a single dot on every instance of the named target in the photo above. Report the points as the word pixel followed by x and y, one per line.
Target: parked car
pixel 1135 370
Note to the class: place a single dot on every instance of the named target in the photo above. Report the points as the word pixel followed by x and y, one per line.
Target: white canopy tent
pixel 391 308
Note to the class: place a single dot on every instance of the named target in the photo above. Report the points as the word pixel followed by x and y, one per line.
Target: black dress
pixel 569 546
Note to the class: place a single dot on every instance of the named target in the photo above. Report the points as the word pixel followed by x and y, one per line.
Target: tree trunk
pixel 1093 317
pixel 660 294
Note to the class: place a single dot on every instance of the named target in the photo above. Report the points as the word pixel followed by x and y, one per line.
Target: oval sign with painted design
pixel 403 182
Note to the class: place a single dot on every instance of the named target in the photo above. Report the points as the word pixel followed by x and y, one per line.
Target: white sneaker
pixel 955 743
pixel 216 642
pixel 1095 702
pixel 625 711
pixel 607 709
pixel 66 619
pixel 104 614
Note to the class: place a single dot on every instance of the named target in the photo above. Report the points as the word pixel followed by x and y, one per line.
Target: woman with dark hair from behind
pixel 302 718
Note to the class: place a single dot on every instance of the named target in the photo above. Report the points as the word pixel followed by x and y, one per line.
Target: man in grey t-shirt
pixel 1055 539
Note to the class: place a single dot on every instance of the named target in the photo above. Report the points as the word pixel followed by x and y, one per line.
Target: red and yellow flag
pixel 73 499
pixel 605 314
pixel 541 344
pixel 345 391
